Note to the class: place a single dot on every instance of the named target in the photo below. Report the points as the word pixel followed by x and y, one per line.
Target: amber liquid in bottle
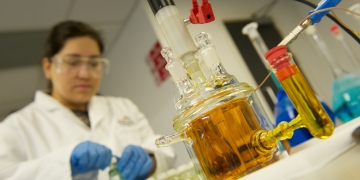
pixel 308 106
pixel 222 141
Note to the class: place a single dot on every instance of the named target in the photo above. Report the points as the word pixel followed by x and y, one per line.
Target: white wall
pixel 18 86
pixel 131 77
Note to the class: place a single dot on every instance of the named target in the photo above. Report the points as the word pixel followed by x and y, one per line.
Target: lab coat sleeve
pixel 15 166
pixel 164 156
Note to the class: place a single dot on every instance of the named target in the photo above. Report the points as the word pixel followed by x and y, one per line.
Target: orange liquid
pixel 222 141
pixel 305 102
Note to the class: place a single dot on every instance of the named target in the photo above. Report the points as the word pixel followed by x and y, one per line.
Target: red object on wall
pixel 157 64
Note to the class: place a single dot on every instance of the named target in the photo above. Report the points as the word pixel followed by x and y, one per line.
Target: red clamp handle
pixel 201 14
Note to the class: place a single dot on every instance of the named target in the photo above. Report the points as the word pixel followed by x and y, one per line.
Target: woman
pixel 69 132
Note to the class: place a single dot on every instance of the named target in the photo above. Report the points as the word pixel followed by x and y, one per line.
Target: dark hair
pixel 65 30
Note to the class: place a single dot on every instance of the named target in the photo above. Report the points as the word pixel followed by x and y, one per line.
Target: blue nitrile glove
pixel 135 163
pixel 89 156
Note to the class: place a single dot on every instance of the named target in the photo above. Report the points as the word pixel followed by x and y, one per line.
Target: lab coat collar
pixel 97 107
pixel 46 101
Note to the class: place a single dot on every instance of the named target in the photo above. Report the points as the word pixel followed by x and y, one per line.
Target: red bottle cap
pixel 334 29
pixel 275 52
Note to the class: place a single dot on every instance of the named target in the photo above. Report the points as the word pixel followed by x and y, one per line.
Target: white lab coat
pixel 36 142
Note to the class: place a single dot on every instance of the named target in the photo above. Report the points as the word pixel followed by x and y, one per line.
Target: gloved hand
pixel 89 156
pixel 135 163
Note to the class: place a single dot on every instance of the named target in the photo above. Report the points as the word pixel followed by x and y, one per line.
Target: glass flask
pixel 312 115
pixel 335 30
pixel 284 109
pixel 345 86
pixel 217 124
pixel 346 97
pixel 218 133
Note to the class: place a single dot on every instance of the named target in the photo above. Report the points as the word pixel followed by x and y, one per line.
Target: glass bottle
pixel 345 86
pixel 340 37
pixel 114 174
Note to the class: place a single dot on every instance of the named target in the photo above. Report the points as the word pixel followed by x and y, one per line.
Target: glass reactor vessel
pixel 220 120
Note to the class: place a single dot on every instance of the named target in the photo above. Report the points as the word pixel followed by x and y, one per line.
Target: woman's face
pixel 74 84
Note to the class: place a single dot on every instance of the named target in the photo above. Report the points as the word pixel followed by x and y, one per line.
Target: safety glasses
pixel 73 64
